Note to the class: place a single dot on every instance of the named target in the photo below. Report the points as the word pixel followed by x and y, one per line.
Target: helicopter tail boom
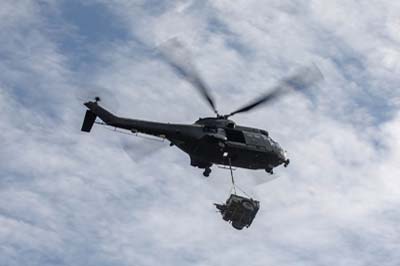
pixel 102 113
pixel 134 125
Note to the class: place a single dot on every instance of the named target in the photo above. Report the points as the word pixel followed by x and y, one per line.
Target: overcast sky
pixel 71 198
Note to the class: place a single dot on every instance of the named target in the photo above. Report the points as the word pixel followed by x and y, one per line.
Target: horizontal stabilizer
pixel 88 122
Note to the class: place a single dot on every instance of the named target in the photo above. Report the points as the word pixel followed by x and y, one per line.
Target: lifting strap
pixel 232 179
pixel 234 186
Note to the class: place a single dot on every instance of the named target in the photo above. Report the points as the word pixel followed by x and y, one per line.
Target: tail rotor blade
pixel 106 96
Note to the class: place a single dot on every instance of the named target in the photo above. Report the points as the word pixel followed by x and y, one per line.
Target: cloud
pixel 69 198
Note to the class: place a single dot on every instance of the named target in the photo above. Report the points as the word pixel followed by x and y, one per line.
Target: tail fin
pixel 88 121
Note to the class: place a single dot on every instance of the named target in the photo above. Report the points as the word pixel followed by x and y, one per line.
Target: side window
pixel 255 139
pixel 265 133
pixel 235 135
pixel 210 129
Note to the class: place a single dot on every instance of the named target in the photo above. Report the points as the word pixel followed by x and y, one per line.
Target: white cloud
pixel 69 198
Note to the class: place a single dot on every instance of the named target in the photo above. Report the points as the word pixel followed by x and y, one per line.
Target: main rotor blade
pixel 141 148
pixel 260 178
pixel 175 54
pixel 303 79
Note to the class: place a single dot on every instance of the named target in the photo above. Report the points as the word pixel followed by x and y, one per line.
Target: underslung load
pixel 239 211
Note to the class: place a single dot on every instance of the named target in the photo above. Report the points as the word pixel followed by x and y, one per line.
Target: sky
pixel 71 198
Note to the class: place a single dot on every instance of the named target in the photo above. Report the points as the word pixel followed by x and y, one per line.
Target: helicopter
pixel 214 140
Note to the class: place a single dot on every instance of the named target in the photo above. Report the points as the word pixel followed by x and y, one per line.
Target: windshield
pixel 275 144
pixel 272 142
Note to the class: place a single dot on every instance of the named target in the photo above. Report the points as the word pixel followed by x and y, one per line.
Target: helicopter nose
pixel 283 157
pixel 282 154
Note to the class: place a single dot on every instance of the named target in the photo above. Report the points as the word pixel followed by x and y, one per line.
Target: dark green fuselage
pixel 208 141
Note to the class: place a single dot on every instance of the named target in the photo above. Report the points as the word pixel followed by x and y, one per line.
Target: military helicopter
pixel 213 140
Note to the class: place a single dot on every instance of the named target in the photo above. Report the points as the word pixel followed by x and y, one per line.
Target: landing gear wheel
pixel 269 170
pixel 286 163
pixel 207 172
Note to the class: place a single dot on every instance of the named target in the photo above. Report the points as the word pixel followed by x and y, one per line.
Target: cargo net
pixel 238 210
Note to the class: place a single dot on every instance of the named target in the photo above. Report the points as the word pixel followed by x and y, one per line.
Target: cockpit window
pixel 235 135
pixel 210 129
pixel 230 125
pixel 273 143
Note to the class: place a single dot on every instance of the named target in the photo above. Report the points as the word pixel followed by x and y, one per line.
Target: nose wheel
pixel 207 172
pixel 286 163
